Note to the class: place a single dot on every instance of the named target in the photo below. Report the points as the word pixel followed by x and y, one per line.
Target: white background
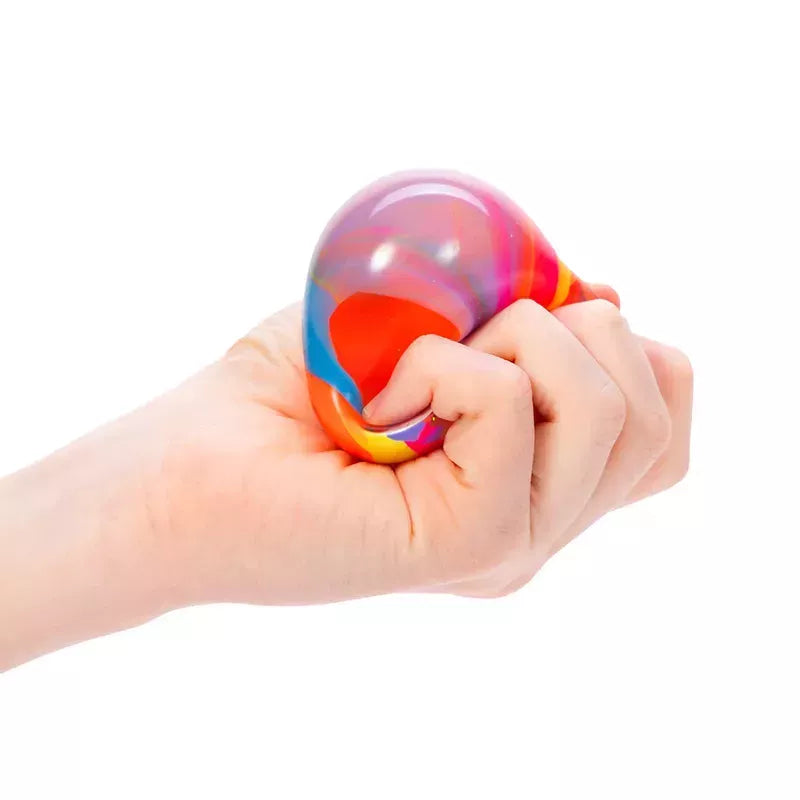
pixel 165 169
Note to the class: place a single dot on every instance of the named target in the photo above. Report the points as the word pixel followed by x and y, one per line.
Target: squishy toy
pixel 413 254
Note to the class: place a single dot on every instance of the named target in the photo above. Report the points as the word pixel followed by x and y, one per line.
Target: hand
pixel 265 508
pixel 228 489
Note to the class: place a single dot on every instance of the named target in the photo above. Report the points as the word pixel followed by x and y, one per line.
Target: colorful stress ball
pixel 413 254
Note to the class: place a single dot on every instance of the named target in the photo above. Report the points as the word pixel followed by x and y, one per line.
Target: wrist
pixel 78 556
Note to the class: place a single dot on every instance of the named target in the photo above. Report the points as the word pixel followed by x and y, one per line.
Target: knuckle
pixel 673 474
pixel 524 310
pixel 657 430
pixel 600 315
pixel 671 363
pixel 673 470
pixel 519 384
pixel 611 409
pixel 606 315
pixel 508 334
pixel 514 384
pixel 513 323
pixel 421 344
pixel 421 351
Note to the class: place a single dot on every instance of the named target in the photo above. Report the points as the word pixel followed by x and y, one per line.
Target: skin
pixel 227 488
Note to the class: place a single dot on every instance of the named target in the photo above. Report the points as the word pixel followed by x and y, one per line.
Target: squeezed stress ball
pixel 413 254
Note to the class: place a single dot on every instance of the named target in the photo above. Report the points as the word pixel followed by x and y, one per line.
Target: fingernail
pixel 371 407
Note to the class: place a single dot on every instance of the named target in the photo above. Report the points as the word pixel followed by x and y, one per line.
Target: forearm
pixel 74 559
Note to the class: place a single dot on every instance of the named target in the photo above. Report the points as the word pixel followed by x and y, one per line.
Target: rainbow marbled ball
pixel 413 254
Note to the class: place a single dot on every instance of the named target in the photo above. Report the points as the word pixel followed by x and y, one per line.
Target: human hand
pixel 228 489
pixel 264 508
